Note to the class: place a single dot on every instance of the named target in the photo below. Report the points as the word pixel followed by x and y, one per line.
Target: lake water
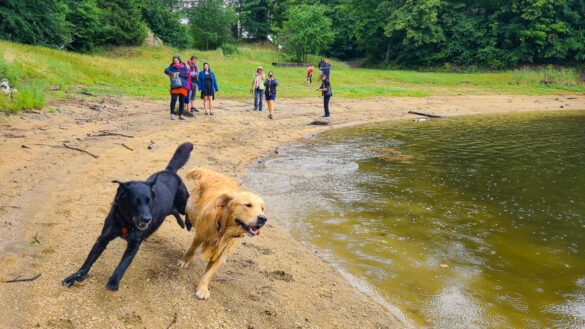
pixel 470 222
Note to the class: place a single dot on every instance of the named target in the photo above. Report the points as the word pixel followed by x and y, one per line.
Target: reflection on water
pixel 471 222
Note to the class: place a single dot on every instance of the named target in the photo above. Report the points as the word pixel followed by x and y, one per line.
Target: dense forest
pixel 408 33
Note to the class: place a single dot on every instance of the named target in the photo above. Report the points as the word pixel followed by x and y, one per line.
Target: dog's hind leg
pixel 187 256
pixel 99 246
pixel 188 224
pixel 127 258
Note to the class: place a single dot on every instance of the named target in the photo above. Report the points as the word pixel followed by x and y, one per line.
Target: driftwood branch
pixel 14 207
pixel 174 321
pixel 128 147
pixel 428 115
pixel 80 150
pixel 24 280
pixel 108 133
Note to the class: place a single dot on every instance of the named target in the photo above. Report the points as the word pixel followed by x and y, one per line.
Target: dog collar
pixel 117 215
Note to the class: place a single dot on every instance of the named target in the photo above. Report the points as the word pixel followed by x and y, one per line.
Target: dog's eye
pixel 249 205
pixel 147 200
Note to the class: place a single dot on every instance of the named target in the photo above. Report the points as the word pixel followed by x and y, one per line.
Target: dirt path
pixel 61 196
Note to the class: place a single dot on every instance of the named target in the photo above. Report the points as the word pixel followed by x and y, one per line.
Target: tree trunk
pixel 387 57
pixel 206 44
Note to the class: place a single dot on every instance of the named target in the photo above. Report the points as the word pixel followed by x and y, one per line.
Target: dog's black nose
pixel 145 219
pixel 262 219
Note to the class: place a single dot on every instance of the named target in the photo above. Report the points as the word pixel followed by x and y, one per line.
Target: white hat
pixel 259 68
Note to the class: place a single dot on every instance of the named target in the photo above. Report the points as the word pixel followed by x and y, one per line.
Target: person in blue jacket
pixel 207 87
pixel 178 68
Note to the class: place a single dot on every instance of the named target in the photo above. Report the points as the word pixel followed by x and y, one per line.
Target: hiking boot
pixel 172 117
pixel 189 114
pixel 181 118
pixel 269 116
pixel 194 110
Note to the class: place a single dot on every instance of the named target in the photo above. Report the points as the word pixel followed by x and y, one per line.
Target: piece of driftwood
pixel 318 123
pixel 80 150
pixel 128 147
pixel 428 115
pixel 108 133
pixel 24 280
pixel 174 321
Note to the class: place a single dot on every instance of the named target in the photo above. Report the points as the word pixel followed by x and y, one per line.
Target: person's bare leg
pixel 205 104
pixel 210 105
pixel 271 107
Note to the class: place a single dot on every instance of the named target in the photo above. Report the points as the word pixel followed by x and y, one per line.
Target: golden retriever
pixel 221 215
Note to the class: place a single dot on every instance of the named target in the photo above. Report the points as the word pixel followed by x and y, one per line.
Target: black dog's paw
pixel 188 224
pixel 71 279
pixel 113 284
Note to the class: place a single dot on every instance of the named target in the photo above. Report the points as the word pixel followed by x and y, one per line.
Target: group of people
pixel 186 78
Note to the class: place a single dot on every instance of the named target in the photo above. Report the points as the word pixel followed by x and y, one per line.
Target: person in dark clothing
pixel 270 86
pixel 326 69
pixel 207 86
pixel 321 63
pixel 178 69
pixel 325 90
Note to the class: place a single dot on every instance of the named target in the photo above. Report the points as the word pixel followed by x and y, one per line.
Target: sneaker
pixel 181 118
pixel 260 109
pixel 194 110
pixel 269 116
pixel 210 113
pixel 255 109
pixel 189 114
pixel 325 116
pixel 172 117
pixel 206 113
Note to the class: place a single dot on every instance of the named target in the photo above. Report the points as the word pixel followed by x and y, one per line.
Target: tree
pixel 306 31
pixel 38 22
pixel 84 19
pixel 165 23
pixel 122 22
pixel 211 22
pixel 254 18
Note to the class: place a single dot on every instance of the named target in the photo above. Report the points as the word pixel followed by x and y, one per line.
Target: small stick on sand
pixel 24 280
pixel 37 240
pixel 174 321
pixel 128 147
pixel 108 133
pixel 427 115
pixel 80 150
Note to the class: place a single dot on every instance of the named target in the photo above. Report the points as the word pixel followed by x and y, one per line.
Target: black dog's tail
pixel 180 157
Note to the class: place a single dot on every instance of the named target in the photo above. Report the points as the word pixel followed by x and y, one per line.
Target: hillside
pixel 43 74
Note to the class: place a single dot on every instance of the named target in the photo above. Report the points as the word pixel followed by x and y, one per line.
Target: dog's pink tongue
pixel 255 231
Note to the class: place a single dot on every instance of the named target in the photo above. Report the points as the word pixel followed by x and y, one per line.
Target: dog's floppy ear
pixel 223 200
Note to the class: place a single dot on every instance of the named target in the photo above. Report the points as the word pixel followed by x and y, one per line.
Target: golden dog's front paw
pixel 182 263
pixel 202 294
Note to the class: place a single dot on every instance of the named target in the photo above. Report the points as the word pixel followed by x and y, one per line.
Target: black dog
pixel 137 211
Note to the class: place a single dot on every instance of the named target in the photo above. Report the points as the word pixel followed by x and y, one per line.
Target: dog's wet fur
pixel 138 210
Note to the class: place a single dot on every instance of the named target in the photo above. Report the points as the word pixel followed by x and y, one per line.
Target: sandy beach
pixel 59 197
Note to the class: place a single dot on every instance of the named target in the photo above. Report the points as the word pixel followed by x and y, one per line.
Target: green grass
pixel 138 71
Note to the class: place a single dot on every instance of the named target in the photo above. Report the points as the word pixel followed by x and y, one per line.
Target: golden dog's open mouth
pixel 252 230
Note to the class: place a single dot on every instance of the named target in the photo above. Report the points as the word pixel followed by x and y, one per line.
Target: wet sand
pixel 62 196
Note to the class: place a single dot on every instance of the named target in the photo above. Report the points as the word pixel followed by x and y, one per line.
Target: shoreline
pixel 271 281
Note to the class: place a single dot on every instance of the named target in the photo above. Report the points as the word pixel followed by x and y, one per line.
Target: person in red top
pixel 309 75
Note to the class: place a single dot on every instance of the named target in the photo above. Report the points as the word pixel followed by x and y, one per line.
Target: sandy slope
pixel 62 197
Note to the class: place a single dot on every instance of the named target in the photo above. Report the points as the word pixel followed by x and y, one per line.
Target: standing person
pixel 194 75
pixel 326 68
pixel 325 90
pixel 321 63
pixel 258 88
pixel 180 70
pixel 207 86
pixel 270 92
pixel 309 75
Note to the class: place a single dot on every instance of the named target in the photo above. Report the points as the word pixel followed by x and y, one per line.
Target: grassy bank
pixel 138 71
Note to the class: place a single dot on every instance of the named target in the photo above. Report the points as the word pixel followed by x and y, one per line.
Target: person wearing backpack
pixel 179 74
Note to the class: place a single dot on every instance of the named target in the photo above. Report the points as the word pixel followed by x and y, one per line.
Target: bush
pixel 229 48
pixel 546 76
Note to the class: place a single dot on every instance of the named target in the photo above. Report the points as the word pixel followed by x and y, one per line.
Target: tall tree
pixel 37 22
pixel 211 22
pixel 84 20
pixel 306 31
pixel 255 18
pixel 165 23
pixel 122 22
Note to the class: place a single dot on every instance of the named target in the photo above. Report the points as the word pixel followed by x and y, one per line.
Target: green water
pixel 499 199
